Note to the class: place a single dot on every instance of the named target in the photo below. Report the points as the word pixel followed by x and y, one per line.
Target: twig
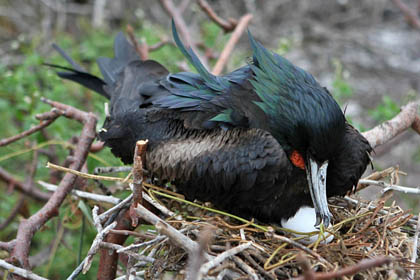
pixel 27 228
pixel 178 238
pixel 414 249
pixel 82 194
pixel 95 246
pixel 116 208
pixel 384 132
pixel 223 256
pixel 351 270
pixel 308 273
pixel 388 187
pixel 249 270
pixel 120 249
pixel 227 25
pixel 24 188
pixel 53 115
pixel 303 248
pixel 142 49
pixel 8 246
pixel 137 184
pixel 409 14
pixel 234 38
pixel 13 213
pixel 197 258
pixel 20 271
pixel 170 8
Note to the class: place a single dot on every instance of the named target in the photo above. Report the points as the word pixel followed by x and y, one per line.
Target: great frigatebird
pixel 261 141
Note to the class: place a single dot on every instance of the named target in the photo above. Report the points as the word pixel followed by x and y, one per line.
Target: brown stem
pixel 28 228
pixel 409 14
pixel 351 270
pixel 227 25
pixel 24 188
pixel 8 246
pixel 53 115
pixel 384 132
pixel 13 213
pixel 224 56
pixel 139 157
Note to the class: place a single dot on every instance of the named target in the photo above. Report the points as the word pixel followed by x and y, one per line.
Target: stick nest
pixel 362 231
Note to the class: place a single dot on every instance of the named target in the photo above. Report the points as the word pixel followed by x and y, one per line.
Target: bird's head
pixel 302 115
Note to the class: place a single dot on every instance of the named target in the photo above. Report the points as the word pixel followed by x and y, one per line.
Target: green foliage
pixel 341 89
pixel 21 87
pixel 386 110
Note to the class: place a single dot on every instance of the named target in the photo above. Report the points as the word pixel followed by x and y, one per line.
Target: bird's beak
pixel 317 180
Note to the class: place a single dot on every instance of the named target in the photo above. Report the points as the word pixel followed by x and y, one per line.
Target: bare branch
pixel 388 187
pixel 20 271
pixel 227 25
pixel 139 157
pixel 234 38
pixel 351 270
pixel 82 194
pixel 414 249
pixel 409 14
pixel 223 256
pixel 53 115
pixel 27 228
pixel 386 131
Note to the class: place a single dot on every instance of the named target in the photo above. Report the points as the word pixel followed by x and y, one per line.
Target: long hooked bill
pixel 317 180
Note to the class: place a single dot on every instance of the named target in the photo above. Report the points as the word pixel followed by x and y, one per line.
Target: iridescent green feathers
pixel 269 93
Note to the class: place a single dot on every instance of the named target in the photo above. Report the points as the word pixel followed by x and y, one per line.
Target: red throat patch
pixel 297 160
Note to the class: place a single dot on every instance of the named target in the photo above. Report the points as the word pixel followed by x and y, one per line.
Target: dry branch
pixel 28 228
pixel 388 187
pixel 347 271
pixel 137 184
pixel 27 189
pixel 46 120
pixel 409 14
pixel 20 271
pixel 227 25
pixel 164 228
pixel 414 249
pixel 384 132
pixel 240 28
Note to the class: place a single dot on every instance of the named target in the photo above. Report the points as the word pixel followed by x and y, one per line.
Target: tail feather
pixel 124 53
pixel 75 65
pixel 88 80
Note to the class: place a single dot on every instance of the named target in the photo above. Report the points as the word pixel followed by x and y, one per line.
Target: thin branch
pixel 414 249
pixel 95 246
pixel 178 238
pixel 27 228
pixel 41 125
pixel 227 25
pixel 388 187
pixel 384 132
pixel 20 271
pixel 223 256
pixel 8 246
pixel 13 213
pixel 409 14
pixel 170 8
pixel 351 270
pixel 138 162
pixel 234 38
pixel 82 194
pixel 24 188
pixel 304 249
pixel 120 249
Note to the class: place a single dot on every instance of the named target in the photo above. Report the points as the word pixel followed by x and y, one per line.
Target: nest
pixel 372 240
pixel 361 231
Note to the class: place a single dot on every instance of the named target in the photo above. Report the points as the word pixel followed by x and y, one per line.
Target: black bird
pixel 259 142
